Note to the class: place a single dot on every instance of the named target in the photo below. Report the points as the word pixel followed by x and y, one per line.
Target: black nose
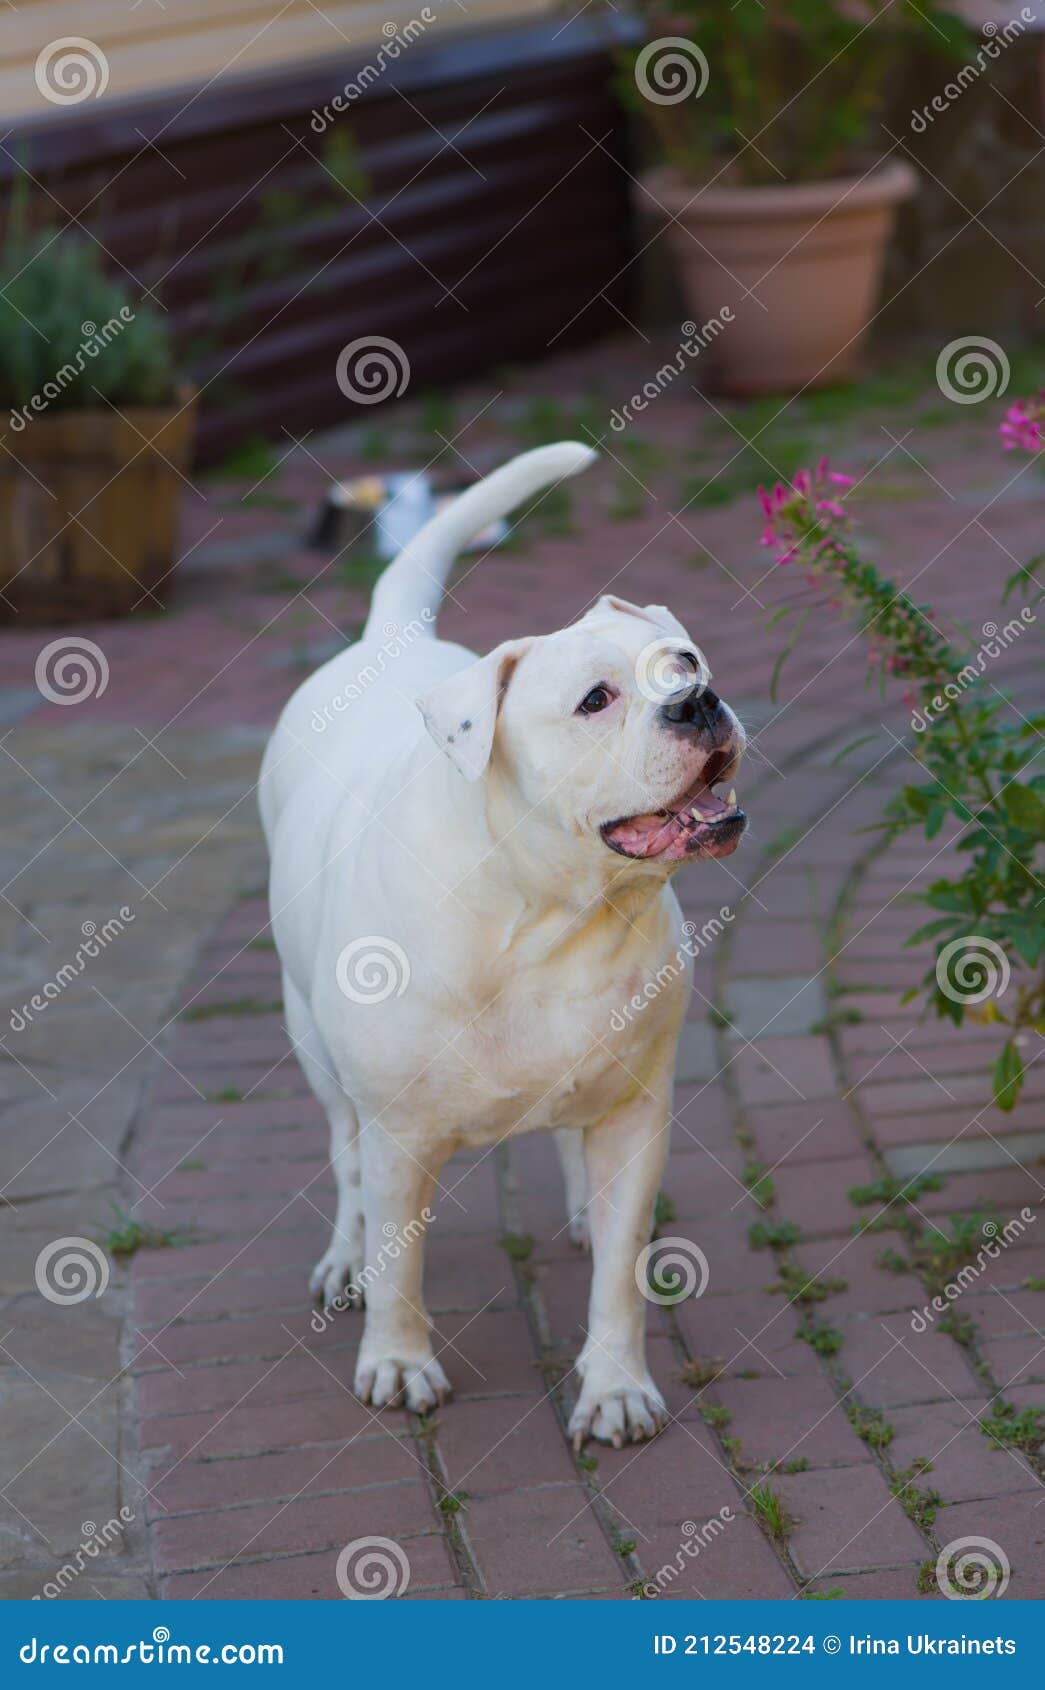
pixel 700 708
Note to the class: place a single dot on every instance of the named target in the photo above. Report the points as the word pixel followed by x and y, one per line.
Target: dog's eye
pixel 594 701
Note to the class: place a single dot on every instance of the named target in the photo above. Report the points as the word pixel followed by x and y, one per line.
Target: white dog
pixel 514 877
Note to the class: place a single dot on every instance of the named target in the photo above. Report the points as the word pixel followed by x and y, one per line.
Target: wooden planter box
pixel 89 510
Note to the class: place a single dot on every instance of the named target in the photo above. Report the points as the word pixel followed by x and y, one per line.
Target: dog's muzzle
pixel 700 710
pixel 700 822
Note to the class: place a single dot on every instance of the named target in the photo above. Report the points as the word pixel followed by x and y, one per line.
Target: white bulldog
pixel 459 924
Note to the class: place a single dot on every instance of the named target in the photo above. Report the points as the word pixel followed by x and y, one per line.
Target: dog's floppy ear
pixel 460 713
pixel 658 614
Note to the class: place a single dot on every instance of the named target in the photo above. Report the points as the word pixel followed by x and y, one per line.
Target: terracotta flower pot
pixel 810 252
pixel 89 511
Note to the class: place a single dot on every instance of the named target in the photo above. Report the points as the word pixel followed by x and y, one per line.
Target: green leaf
pixel 935 820
pixel 930 930
pixel 853 743
pixel 1025 808
pixel 1028 939
pixel 918 798
pixel 798 625
pixel 947 896
pixel 1008 1076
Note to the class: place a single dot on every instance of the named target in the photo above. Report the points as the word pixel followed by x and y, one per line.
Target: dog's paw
pixel 418 1383
pixel 617 1406
pixel 332 1281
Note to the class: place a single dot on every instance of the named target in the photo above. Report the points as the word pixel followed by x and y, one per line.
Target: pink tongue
pixel 709 806
pixel 647 836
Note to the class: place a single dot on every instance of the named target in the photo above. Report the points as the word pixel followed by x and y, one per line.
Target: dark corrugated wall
pixel 495 215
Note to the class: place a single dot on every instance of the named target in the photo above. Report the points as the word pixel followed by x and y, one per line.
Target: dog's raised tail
pixel 411 588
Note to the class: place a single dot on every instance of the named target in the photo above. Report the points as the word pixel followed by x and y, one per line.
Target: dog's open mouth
pixel 699 824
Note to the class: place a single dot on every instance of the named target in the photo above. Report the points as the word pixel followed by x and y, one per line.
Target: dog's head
pixel 608 730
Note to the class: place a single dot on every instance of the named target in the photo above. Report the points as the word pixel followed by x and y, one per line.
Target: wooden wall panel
pixel 492 224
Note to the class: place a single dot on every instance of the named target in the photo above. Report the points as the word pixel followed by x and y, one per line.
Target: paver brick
pixel 747 1331
pixel 892 1366
pixel 500 1443
pixel 184 1542
pixel 682 1474
pixel 845 1518
pixel 737 1563
pixel 309 1577
pixel 572 1554
pixel 1016 1526
pixel 965 1465
pixel 198 1487
pixel 790 1419
pixel 887 1584
pixel 250 1427
pixel 790 1134
pixel 818 1201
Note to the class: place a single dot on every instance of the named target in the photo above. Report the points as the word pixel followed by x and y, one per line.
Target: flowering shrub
pixel 1021 430
pixel 977 758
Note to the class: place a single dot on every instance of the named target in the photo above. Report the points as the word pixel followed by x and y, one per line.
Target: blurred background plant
pixel 809 78
pixel 59 297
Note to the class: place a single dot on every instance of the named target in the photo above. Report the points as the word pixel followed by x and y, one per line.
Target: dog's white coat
pixel 478 859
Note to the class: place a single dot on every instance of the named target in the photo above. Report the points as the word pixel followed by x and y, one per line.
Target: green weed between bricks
pixel 975 751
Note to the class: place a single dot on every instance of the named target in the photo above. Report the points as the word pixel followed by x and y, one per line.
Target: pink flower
pixel 789 512
pixel 1022 428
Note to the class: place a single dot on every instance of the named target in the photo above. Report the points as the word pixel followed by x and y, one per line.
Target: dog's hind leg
pixel 569 1142
pixel 342 1262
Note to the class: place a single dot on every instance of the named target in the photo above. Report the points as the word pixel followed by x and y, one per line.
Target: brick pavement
pixel 247 1461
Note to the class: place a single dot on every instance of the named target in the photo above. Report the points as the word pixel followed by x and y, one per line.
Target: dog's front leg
pixel 395 1358
pixel 625 1155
